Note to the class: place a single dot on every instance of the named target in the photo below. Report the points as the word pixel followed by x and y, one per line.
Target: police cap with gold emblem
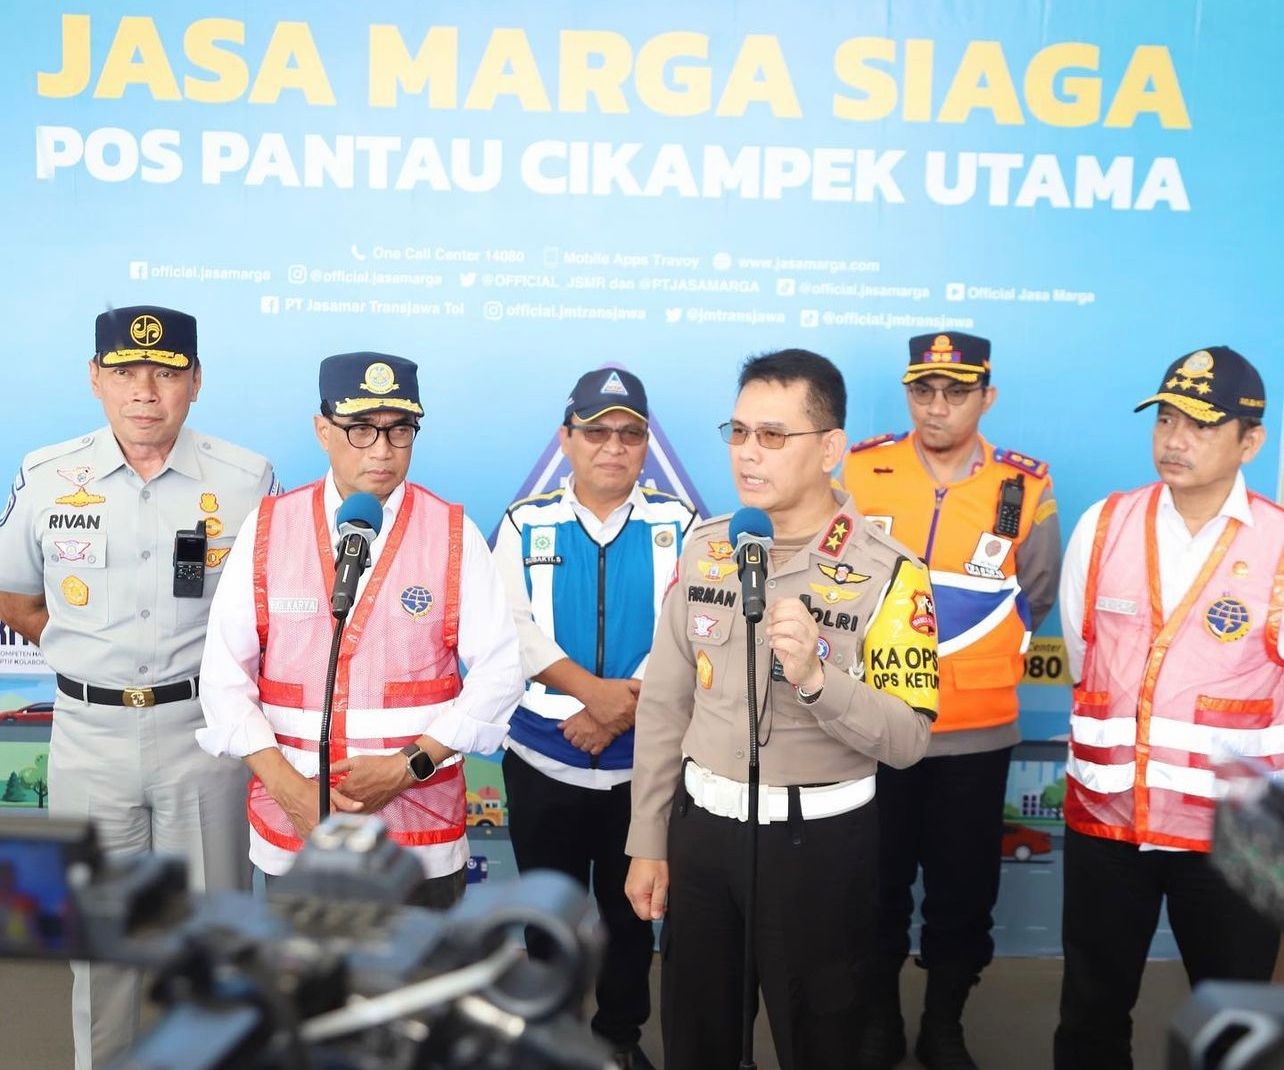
pixel 1212 386
pixel 964 357
pixel 353 384
pixel 145 334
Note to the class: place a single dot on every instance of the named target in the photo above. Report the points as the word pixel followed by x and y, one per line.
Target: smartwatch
pixel 419 763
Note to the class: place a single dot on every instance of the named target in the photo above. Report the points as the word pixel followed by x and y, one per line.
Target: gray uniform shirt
pixel 85 530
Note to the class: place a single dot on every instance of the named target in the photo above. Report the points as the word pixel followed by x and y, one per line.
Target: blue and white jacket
pixel 598 603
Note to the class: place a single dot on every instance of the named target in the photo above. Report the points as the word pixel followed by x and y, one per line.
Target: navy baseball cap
pixel 604 390
pixel 353 384
pixel 145 334
pixel 1212 386
pixel 964 357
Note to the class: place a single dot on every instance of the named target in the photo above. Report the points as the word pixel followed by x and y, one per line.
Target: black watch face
pixel 421 765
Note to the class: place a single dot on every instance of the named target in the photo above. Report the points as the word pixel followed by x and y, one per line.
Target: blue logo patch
pixel 416 601
pixel 822 648
pixel 1227 619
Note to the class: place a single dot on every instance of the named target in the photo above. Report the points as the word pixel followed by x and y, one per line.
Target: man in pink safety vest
pixel 430 601
pixel 1171 600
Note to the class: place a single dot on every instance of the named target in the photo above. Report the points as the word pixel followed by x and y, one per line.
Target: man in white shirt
pixel 586 568
pixel 430 601
pixel 1171 599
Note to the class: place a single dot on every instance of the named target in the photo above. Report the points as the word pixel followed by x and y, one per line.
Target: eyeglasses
pixel 954 394
pixel 735 434
pixel 600 434
pixel 363 436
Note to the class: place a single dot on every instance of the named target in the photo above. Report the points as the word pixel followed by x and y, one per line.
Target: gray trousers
pixel 139 775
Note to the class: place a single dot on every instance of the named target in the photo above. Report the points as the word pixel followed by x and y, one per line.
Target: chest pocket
pixel 76 576
pixel 181 613
pixel 708 629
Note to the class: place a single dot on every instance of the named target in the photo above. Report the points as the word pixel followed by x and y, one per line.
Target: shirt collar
pixel 333 502
pixel 634 499
pixel 1235 507
pixel 183 457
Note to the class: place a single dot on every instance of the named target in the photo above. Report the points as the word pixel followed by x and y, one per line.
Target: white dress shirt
pixel 1181 556
pixel 539 650
pixel 476 721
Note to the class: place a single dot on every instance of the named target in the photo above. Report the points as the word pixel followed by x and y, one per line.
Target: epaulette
pixel 1022 463
pixel 230 453
pixel 536 499
pixel 57 450
pixel 652 494
pixel 710 522
pixel 877 440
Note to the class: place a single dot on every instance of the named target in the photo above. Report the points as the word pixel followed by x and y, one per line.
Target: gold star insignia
pixel 1185 384
pixel 1171 383
pixel 836 536
pixel 1203 388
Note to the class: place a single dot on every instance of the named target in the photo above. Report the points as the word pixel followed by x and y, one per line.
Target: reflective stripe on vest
pixel 1161 700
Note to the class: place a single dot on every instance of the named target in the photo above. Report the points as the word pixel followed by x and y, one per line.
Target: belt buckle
pixel 138 697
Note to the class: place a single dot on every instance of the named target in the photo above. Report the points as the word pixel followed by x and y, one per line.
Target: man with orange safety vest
pixel 430 601
pixel 984 520
pixel 1170 605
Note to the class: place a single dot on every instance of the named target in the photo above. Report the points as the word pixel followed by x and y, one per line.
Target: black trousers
pixel 946 815
pixel 1110 908
pixel 814 931
pixel 581 832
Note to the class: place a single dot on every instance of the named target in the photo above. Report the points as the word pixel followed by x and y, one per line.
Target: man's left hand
pixel 582 731
pixel 373 779
pixel 792 634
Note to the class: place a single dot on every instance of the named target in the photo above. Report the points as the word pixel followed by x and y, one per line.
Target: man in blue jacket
pixel 586 568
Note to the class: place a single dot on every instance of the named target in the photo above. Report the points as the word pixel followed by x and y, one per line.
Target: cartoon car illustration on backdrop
pixel 32 713
pixel 1022 843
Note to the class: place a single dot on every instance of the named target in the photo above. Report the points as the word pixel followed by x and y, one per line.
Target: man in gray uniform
pixel 846 671
pixel 111 547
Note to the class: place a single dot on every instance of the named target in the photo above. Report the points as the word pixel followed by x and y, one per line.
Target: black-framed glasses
pixel 599 434
pixel 363 436
pixel 955 394
pixel 735 434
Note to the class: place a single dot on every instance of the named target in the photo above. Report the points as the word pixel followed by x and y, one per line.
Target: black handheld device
pixel 189 562
pixel 1007 520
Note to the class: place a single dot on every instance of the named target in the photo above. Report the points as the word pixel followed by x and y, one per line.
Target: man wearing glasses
pixel 430 601
pixel 845 678
pixel 586 568
pixel 984 520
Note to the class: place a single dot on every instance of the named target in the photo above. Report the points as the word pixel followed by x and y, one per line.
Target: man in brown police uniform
pixel 846 671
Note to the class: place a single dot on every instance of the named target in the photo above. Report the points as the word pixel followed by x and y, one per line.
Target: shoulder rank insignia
pixel 1022 463
pixel 835 538
pixel 877 440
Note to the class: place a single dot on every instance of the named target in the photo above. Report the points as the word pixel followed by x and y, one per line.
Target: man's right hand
pixel 614 704
pixel 647 887
pixel 298 798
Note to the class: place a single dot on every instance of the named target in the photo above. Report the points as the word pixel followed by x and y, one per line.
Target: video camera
pixel 329 971
pixel 1230 1025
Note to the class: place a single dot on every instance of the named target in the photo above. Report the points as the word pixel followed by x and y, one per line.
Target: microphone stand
pixel 332 668
pixel 750 999
pixel 327 708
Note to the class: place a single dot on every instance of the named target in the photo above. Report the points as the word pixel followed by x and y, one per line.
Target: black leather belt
pixel 138 697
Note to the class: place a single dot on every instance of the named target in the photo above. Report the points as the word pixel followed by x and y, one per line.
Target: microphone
pixel 360 517
pixel 751 532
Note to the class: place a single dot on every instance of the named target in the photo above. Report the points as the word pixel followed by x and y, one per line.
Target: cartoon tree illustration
pixel 1054 796
pixel 35 777
pixel 15 791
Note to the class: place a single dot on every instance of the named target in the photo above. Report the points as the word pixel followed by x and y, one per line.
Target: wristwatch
pixel 419 763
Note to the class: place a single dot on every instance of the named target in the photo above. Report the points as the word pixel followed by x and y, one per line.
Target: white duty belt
pixel 723 797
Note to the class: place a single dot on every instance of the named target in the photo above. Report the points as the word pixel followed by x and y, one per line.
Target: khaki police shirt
pixel 85 530
pixel 872 602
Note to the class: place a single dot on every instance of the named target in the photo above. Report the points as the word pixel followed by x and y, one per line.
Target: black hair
pixel 826 402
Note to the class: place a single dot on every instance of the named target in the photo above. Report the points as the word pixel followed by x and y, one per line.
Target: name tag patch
pixel 292 605
pixel 1125 606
